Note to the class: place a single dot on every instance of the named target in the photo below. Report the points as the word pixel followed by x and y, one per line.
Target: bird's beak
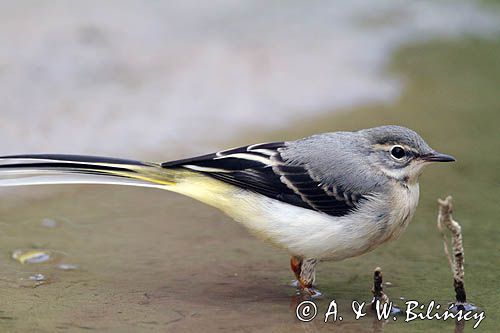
pixel 438 157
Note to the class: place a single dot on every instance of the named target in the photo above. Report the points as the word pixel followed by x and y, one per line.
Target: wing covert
pixel 262 169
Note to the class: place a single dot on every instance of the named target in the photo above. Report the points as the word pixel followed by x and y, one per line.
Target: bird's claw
pixel 308 292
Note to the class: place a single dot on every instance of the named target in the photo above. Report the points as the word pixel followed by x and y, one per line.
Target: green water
pixel 149 260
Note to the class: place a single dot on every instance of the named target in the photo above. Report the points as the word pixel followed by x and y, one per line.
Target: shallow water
pixel 152 260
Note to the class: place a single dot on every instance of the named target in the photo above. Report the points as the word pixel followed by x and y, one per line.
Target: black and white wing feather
pixel 262 169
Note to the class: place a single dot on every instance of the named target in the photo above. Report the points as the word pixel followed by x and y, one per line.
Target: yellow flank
pixel 190 183
pixel 241 205
pixel 208 190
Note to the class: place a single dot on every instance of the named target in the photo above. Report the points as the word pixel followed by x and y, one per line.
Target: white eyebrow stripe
pixel 246 156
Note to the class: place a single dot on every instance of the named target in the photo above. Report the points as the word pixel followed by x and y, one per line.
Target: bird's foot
pixel 310 292
pixel 306 291
pixel 304 270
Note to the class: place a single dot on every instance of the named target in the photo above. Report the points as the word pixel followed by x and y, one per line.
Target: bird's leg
pixel 305 272
pixel 308 272
pixel 296 265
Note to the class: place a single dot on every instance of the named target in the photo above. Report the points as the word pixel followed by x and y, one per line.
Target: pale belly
pixel 306 232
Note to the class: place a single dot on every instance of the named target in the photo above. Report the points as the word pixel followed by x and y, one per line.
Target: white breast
pixel 403 205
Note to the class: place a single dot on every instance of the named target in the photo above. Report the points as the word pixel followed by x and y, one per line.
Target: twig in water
pixel 378 290
pixel 456 261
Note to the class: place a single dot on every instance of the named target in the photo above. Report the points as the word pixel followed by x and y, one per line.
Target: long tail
pixel 72 169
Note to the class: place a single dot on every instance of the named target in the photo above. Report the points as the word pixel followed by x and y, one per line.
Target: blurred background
pixel 163 80
pixel 179 77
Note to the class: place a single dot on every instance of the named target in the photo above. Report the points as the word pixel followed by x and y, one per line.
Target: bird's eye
pixel 398 152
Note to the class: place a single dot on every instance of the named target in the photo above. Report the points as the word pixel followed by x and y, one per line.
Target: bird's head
pixel 400 153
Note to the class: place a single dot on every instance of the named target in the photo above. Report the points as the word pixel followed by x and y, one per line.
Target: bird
pixel 329 196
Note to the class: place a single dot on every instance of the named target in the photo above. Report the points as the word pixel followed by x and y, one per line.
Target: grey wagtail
pixel 329 196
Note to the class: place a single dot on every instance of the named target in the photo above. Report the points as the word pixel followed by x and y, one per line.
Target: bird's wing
pixel 262 169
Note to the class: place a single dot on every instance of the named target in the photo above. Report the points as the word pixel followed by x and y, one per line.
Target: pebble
pixel 30 256
pixel 67 267
pixel 49 223
pixel 37 277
